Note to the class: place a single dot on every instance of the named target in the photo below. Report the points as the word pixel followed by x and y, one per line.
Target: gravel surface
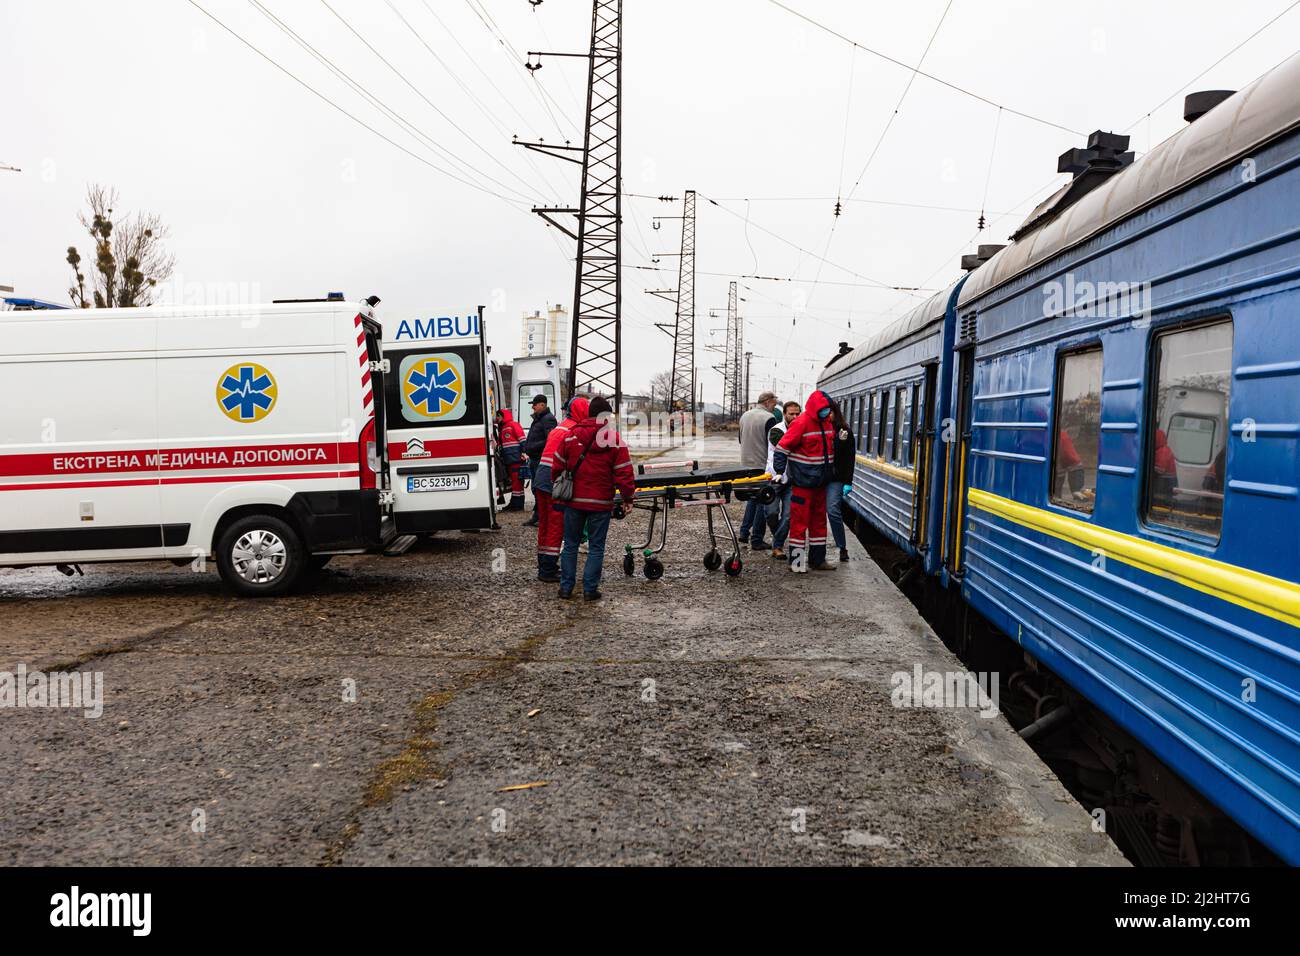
pixel 693 720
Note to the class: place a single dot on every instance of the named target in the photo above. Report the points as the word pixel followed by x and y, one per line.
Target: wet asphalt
pixel 444 707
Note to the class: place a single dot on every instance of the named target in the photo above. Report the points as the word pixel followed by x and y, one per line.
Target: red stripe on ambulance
pixel 177 459
pixel 450 448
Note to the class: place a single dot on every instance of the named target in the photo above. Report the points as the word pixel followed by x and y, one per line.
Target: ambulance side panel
pixel 287 440
pixel 78 440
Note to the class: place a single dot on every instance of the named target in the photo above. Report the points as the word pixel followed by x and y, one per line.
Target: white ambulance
pixel 441 393
pixel 250 434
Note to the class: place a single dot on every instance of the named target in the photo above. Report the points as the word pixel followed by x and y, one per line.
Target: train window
pixel 918 423
pixel 885 409
pixel 1187 440
pixel 871 424
pixel 896 426
pixel 905 456
pixel 1077 431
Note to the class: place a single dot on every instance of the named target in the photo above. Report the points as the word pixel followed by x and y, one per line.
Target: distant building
pixel 545 334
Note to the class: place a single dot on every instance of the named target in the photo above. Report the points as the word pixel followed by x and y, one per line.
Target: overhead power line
pixel 1213 65
pixel 899 105
pixel 514 204
pixel 401 76
pixel 793 245
pixel 929 76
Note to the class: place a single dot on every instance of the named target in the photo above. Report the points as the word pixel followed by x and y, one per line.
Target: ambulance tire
pixel 279 538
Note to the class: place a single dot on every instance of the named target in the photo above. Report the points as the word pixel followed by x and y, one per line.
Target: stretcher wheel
pixel 629 565
pixel 767 494
pixel 713 560
pixel 733 567
pixel 654 569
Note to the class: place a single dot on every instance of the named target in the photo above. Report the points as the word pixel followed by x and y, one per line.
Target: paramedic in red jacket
pixel 512 455
pixel 806 456
pixel 550 517
pixel 601 465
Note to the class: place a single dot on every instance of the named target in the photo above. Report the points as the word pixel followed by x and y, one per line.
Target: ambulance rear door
pixel 438 425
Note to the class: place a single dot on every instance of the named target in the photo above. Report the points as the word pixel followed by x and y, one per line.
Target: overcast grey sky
pixel 267 188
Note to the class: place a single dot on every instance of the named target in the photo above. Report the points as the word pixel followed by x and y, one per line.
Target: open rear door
pixel 438 426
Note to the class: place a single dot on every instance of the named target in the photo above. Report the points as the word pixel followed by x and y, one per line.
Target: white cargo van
pixel 248 433
pixel 439 398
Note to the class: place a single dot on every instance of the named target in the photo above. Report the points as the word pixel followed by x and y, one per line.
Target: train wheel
pixel 713 560
pixel 629 565
pixel 654 569
pixel 733 567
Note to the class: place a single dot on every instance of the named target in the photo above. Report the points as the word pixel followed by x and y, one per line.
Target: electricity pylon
pixel 595 347
pixel 732 357
pixel 681 386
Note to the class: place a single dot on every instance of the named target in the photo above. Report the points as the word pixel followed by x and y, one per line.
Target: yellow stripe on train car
pixel 906 474
pixel 1273 597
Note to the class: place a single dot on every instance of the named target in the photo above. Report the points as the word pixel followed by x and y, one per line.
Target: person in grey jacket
pixel 754 425
pixel 540 429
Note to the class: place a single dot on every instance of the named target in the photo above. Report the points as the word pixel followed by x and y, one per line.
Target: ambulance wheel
pixel 629 565
pixel 733 567
pixel 712 560
pixel 654 569
pixel 260 556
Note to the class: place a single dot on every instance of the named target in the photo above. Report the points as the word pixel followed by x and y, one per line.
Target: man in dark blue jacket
pixel 540 429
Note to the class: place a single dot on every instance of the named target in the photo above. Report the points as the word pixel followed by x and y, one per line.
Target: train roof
pixel 1264 110
pixel 931 310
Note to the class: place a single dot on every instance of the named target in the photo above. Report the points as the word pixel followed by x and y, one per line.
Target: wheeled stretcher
pixel 664 486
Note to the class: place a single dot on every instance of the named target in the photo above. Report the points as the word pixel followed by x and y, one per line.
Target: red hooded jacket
pixel 577 412
pixel 1166 464
pixel 806 455
pixel 512 438
pixel 606 469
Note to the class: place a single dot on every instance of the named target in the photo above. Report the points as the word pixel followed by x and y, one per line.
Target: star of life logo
pixel 246 393
pixel 433 387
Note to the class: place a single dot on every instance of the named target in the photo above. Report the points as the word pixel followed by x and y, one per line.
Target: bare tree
pixel 130 260
pixel 660 385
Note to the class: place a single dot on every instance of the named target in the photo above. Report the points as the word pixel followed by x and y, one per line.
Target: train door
pixel 959 434
pixel 923 455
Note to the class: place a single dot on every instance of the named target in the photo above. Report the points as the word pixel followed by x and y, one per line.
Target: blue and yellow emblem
pixel 246 392
pixel 433 387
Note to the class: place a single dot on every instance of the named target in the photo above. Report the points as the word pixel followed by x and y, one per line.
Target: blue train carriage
pixel 893 392
pixel 1127 381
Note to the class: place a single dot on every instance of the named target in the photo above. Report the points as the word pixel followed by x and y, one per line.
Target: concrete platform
pixel 693 720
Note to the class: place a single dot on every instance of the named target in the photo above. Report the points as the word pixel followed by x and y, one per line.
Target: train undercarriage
pixel 1153 815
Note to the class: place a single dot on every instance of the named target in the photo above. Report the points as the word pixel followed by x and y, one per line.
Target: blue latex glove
pixel 847 489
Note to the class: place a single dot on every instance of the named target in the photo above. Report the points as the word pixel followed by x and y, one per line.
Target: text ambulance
pixel 250 434
pixel 439 410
